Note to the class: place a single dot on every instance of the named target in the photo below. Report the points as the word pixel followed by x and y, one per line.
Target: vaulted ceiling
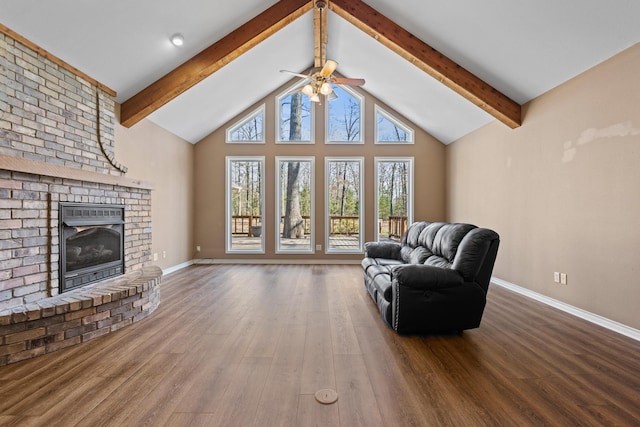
pixel 491 56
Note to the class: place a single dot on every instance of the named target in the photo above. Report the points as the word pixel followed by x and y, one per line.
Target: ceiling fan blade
pixel 304 76
pixel 329 67
pixel 347 82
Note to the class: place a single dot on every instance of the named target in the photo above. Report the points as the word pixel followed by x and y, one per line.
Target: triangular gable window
pixel 249 129
pixel 390 130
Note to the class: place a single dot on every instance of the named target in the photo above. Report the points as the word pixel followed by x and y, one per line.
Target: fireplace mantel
pixel 18 164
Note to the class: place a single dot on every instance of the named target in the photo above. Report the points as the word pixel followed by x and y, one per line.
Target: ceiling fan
pixel 321 78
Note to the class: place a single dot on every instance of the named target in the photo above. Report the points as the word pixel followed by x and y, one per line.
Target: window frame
pixel 260 110
pixel 360 98
pixel 229 205
pixel 408 129
pixel 410 196
pixel 312 196
pixel 327 213
pixel 289 91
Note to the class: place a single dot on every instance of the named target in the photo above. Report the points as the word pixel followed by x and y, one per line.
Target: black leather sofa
pixel 435 280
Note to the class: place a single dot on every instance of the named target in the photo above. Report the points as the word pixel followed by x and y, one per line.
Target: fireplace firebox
pixel 91 243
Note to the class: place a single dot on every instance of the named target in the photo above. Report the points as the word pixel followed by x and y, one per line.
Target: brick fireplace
pixel 30 238
pixel 56 149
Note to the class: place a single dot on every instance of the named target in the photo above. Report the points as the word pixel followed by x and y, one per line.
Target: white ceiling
pixel 522 48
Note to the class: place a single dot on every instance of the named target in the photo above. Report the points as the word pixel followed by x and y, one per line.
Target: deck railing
pixel 395 226
pixel 338 225
pixel 241 224
pixel 344 225
pixel 307 224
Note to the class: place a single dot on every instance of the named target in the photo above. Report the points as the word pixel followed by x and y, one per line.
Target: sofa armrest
pixel 420 276
pixel 388 250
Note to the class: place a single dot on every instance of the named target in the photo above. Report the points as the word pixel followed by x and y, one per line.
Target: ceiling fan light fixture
pixel 326 88
pixel 314 98
pixel 307 90
pixel 177 39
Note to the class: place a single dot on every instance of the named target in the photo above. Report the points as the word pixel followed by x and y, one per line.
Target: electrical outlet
pixel 197 248
pixel 164 254
pixel 556 276
pixel 318 247
pixel 563 278
pixel 155 256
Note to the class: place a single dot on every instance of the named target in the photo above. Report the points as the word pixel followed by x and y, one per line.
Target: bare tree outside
pixel 393 197
pixel 246 184
pixel 344 203
pixel 344 117
pixel 245 188
pixel 295 200
pixel 250 130
pixel 294 118
pixel 293 222
pixel 390 130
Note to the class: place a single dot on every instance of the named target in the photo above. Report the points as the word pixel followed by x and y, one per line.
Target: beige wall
pixel 563 190
pixel 210 156
pixel 166 161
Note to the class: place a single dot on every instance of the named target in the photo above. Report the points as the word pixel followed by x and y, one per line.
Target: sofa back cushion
pixel 447 240
pixel 411 251
pixel 412 235
pixel 416 255
pixel 459 246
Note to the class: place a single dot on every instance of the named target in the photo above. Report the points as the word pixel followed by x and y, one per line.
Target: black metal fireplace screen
pixel 91 243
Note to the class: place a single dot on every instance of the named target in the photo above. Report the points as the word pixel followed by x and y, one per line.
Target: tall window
pixel 394 195
pixel 295 206
pixel 245 201
pixel 295 117
pixel 344 117
pixel 248 129
pixel 344 204
pixel 390 130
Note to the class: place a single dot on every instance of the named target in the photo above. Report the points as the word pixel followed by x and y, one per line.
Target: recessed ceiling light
pixel 177 39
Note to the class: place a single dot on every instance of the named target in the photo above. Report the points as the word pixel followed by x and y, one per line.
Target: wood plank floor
pixel 250 345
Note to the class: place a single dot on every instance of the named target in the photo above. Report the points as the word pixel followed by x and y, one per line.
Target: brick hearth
pixel 78 316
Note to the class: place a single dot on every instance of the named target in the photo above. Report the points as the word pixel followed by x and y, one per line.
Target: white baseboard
pixel 279 261
pixel 578 312
pixel 175 268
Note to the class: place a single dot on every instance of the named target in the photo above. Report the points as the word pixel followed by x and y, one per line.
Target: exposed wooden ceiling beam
pixel 320 36
pixel 429 60
pixel 211 59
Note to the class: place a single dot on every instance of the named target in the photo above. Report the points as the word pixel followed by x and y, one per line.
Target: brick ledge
pixel 78 316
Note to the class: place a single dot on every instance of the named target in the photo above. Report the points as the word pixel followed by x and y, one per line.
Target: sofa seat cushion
pixel 379 277
pixel 382 284
pixel 367 262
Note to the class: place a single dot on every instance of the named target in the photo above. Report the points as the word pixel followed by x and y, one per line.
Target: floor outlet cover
pixel 326 396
